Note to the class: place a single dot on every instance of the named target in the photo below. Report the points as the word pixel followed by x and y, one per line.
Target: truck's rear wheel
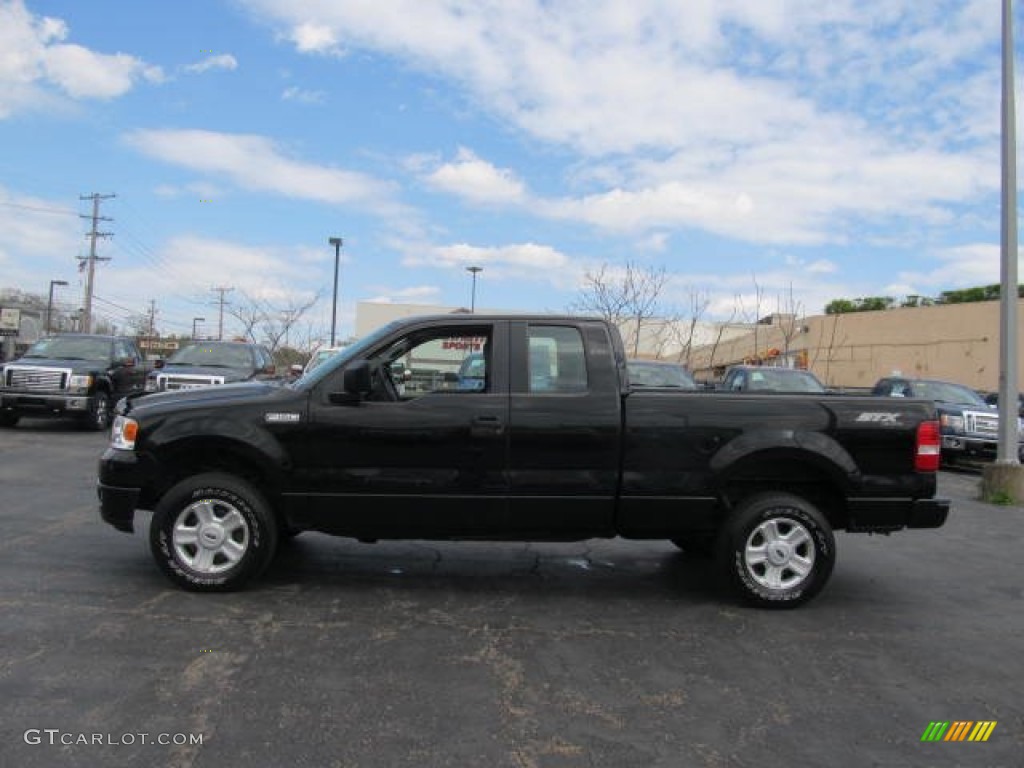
pixel 777 550
pixel 9 419
pixel 212 533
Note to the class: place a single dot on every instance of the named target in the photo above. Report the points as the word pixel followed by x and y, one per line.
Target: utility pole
pixel 222 289
pixel 152 318
pixel 90 262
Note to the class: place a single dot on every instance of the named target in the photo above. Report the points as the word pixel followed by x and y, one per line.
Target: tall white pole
pixel 1008 357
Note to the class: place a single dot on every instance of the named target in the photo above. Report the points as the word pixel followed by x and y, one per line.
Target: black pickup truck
pixel 78 375
pixel 211 363
pixel 554 445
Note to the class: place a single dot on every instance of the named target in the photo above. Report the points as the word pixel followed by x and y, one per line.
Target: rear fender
pixel 813 448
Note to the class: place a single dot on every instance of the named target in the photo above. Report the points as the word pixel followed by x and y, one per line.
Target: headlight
pixel 151 385
pixel 955 423
pixel 122 434
pixel 78 383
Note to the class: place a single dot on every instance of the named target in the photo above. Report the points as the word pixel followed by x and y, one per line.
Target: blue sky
pixel 804 149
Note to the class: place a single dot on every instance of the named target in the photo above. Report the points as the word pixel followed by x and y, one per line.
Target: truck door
pixel 565 422
pixel 424 454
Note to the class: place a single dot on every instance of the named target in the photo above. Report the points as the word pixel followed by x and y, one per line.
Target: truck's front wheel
pixel 212 533
pixel 97 418
pixel 777 550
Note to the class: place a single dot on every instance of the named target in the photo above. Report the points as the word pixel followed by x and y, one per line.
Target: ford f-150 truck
pixel 211 363
pixel 71 375
pixel 969 425
pixel 554 445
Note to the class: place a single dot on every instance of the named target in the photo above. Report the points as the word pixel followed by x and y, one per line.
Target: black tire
pixel 97 418
pixel 697 544
pixel 9 419
pixel 776 550
pixel 213 533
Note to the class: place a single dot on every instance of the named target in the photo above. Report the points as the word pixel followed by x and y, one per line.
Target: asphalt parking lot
pixel 601 653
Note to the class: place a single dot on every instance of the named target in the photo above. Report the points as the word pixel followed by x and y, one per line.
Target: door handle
pixel 486 426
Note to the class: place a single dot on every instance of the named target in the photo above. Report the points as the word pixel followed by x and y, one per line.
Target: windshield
pixel 71 348
pixel 783 380
pixel 947 393
pixel 643 374
pixel 352 352
pixel 213 356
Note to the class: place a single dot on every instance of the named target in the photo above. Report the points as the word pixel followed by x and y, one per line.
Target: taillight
pixel 929 444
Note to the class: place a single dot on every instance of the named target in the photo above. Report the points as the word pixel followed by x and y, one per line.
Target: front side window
pixel 449 360
pixel 557 359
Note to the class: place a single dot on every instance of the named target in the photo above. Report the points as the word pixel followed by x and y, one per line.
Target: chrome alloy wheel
pixel 779 554
pixel 210 536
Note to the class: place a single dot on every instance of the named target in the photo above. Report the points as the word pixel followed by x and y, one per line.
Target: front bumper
pixel 965 445
pixel 39 404
pixel 117 506
pixel 885 515
pixel 122 480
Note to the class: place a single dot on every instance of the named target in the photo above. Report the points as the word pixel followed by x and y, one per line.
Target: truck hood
pixel 243 393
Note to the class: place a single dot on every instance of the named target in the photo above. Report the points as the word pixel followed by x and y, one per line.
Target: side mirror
pixel 270 370
pixel 158 363
pixel 357 379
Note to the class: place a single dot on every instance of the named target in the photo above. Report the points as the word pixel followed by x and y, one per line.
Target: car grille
pixel 36 379
pixel 981 423
pixel 170 382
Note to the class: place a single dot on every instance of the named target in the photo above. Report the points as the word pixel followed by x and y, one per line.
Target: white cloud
pixel 965 266
pixel 314 38
pixel 417 294
pixel 39 240
pixel 258 163
pixel 761 121
pixel 477 180
pixel 521 259
pixel 303 96
pixel 218 61
pixel 34 62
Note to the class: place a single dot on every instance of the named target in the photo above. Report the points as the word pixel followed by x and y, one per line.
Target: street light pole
pixel 336 242
pixel 472 296
pixel 49 304
pixel 196 320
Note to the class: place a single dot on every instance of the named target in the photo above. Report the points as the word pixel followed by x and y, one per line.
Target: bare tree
pixel 679 327
pixel 790 313
pixel 753 316
pixel 621 296
pixel 266 324
pixel 721 330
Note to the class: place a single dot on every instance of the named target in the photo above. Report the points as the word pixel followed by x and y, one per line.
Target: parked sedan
pixel 756 378
pixel 659 374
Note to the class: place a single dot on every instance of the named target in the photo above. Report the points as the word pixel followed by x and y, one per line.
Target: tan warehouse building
pixel 959 342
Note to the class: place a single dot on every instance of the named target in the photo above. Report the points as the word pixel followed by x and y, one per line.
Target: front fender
pixel 195 434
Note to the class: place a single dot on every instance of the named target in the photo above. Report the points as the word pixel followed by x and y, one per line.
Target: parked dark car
pixel 757 378
pixel 659 374
pixel 210 363
pixel 992 398
pixel 970 426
